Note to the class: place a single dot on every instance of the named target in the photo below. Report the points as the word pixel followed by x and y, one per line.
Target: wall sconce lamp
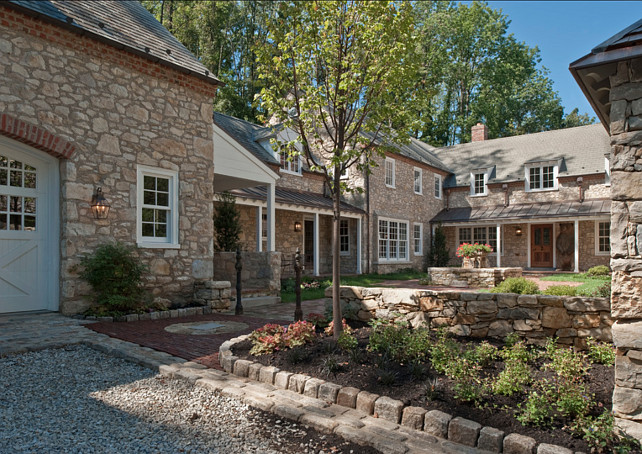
pixel 518 230
pixel 297 226
pixel 99 205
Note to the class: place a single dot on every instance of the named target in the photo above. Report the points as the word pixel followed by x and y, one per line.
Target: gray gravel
pixel 76 399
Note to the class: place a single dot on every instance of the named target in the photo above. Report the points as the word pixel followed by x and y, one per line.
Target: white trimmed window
pixel 417 238
pixel 393 240
pixel 290 164
pixel 541 176
pixel 602 237
pixel 157 207
pixel 481 235
pixel 478 182
pixel 418 174
pixel 437 186
pixel 390 172
pixel 344 237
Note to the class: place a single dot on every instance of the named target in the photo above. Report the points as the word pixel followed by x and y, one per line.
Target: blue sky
pixel 566 31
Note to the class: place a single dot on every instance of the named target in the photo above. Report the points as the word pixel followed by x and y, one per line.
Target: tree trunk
pixel 337 317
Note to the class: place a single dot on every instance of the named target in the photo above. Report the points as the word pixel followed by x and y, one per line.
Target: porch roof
pixel 520 212
pixel 292 197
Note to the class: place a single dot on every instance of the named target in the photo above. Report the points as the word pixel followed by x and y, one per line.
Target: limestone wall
pixel 494 315
pixel 260 275
pixel 119 111
pixel 471 277
pixel 626 242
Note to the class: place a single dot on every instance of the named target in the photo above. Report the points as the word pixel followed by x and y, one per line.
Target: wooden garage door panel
pixel 19 276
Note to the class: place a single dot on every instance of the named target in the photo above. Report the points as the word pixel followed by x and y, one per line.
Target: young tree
pixel 438 255
pixel 337 73
pixel 227 225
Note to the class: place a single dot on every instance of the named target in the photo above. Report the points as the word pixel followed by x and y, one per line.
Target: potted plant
pixel 471 253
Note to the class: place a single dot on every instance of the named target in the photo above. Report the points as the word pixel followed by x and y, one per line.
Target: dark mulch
pixel 432 391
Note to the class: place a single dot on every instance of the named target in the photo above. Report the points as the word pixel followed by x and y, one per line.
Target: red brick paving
pixel 200 348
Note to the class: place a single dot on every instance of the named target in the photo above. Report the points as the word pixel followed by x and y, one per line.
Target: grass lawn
pixel 589 283
pixel 314 288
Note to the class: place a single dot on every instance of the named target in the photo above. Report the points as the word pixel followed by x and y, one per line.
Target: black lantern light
pixel 99 205
pixel 518 230
pixel 297 226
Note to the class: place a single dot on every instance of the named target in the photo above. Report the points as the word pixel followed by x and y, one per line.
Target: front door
pixel 28 229
pixel 542 246
pixel 308 244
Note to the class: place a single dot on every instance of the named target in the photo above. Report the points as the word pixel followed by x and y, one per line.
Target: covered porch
pixel 571 236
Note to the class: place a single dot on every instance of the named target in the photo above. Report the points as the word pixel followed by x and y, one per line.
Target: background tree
pixel 336 73
pixel 438 254
pixel 227 225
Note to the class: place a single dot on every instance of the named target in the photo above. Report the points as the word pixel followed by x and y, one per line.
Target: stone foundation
pixel 472 277
pixel 260 275
pixel 494 315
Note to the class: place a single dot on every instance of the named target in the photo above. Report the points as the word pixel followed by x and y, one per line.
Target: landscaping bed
pixel 355 363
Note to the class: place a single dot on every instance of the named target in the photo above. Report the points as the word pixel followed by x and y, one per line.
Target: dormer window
pixel 290 164
pixel 541 176
pixel 479 182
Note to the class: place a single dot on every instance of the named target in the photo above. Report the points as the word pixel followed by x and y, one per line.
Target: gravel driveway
pixel 79 400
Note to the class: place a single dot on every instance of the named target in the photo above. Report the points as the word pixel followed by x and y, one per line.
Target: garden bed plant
pixel 550 393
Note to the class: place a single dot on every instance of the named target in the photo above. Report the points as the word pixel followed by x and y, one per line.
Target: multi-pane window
pixel 157 206
pixel 390 172
pixel 417 238
pixel 289 163
pixel 542 177
pixel 479 234
pixel 437 186
pixel 418 174
pixel 344 237
pixel 17 184
pixel 393 240
pixel 479 183
pixel 603 237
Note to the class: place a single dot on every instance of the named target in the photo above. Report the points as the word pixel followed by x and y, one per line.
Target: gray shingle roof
pixel 418 151
pixel 246 134
pixel 122 24
pixel 292 197
pixel 582 150
pixel 573 208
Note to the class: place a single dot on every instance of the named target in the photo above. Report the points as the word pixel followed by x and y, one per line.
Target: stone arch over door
pixel 29 220
pixel 35 136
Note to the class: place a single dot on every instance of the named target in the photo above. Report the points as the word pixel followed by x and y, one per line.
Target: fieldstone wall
pixel 119 111
pixel 471 277
pixel 213 294
pixel 626 242
pixel 494 315
pixel 260 275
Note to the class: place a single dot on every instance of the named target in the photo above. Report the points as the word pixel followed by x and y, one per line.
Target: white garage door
pixel 29 228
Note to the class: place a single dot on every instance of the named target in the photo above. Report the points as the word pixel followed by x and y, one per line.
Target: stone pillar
pixel 626 242
pixel 214 294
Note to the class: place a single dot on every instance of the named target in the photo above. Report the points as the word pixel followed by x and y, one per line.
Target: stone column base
pixel 214 294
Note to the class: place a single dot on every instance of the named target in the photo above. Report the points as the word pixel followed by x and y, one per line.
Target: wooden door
pixel 542 246
pixel 308 243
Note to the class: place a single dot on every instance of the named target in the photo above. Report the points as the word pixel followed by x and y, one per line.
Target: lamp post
pixel 298 312
pixel 239 266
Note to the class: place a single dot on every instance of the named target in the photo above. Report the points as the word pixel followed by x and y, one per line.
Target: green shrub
pixel 537 409
pixel 602 353
pixel 603 291
pixel 347 341
pixel 227 223
pixel 516 374
pixel 600 270
pixel 484 353
pixel 560 290
pixel 398 341
pixel 600 434
pixel 519 285
pixel 443 352
pixel 115 276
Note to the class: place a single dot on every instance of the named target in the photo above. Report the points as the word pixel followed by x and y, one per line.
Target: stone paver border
pixel 373 411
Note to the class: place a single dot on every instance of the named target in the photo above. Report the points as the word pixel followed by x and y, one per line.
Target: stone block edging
pixel 155 315
pixel 434 422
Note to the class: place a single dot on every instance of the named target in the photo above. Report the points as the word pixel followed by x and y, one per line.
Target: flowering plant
pixel 272 337
pixel 468 250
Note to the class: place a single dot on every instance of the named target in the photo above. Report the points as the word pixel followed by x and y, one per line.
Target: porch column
pixel 271 195
pixel 358 245
pixel 499 246
pixel 259 229
pixel 316 245
pixel 576 226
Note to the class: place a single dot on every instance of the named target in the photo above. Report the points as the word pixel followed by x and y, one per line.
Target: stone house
pixel 541 199
pixel 97 94
pixel 283 205
pixel 611 78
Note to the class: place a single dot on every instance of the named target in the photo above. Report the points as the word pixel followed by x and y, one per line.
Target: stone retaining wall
pixel 494 315
pixel 471 277
pixel 260 275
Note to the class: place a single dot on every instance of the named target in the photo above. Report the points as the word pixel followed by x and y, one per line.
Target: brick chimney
pixel 479 133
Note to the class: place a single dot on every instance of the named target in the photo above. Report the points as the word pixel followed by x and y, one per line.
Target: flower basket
pixel 474 255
